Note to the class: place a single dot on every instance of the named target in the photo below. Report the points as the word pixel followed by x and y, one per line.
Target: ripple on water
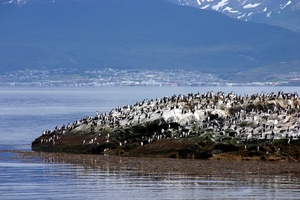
pixel 51 175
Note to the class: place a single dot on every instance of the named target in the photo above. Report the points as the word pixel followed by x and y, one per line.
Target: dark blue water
pixel 26 111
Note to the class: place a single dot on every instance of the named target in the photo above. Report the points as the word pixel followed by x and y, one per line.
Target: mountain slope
pixel 284 13
pixel 135 34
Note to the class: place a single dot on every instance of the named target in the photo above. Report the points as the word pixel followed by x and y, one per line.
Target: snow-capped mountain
pixel 247 10
pixel 244 9
pixel 140 34
pixel 265 11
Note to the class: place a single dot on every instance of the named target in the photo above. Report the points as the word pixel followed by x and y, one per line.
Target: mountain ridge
pixel 284 13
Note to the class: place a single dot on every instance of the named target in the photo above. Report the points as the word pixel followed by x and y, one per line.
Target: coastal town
pixel 129 77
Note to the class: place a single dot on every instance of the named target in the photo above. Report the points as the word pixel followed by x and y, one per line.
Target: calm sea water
pixel 26 111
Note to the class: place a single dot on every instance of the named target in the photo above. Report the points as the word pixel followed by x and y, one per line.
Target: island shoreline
pixel 195 126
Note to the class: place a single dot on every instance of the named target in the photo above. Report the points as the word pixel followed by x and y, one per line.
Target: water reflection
pixel 57 176
pixel 30 175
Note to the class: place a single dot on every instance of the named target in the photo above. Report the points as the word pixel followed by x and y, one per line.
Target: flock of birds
pixel 247 117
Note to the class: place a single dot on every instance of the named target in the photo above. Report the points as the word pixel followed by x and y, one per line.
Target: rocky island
pixel 196 126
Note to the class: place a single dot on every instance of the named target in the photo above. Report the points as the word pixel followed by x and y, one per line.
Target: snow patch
pixel 241 16
pixel 220 5
pixel 11 1
pixel 251 5
pixel 288 3
pixel 199 3
pixel 204 7
pixel 228 9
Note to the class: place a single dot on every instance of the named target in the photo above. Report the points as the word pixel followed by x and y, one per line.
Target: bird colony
pixel 266 117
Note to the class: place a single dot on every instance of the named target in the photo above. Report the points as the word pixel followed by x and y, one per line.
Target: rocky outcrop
pixel 188 126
